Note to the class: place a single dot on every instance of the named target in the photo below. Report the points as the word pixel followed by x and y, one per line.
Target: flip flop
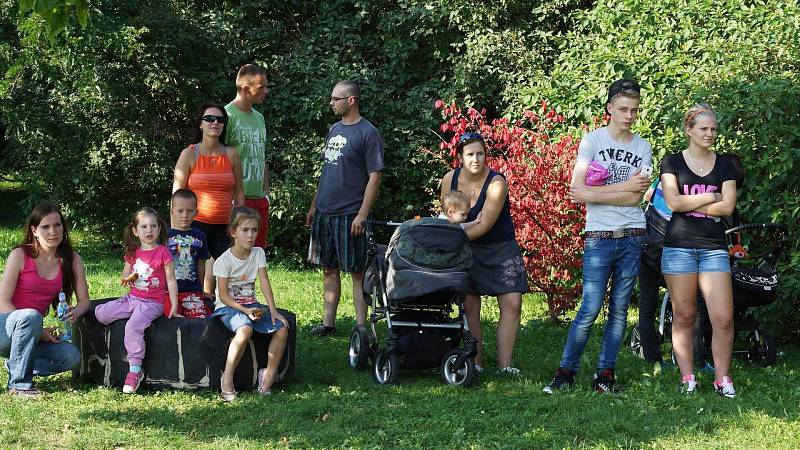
pixel 260 389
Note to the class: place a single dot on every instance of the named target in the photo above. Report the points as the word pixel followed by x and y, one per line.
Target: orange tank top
pixel 212 180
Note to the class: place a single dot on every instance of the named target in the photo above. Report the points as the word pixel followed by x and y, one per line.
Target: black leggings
pixel 649 304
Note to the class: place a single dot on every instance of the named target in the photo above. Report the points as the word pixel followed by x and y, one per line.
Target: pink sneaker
pixel 689 384
pixel 725 388
pixel 132 382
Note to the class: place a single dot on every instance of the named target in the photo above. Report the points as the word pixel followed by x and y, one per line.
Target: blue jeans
pixel 617 259
pixel 27 356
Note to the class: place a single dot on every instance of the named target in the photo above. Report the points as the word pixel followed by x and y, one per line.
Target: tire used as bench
pixel 180 353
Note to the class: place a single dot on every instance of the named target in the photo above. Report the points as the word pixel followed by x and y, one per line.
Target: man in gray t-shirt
pixel 614 237
pixel 352 160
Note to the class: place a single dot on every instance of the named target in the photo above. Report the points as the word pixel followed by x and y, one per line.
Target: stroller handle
pixel 382 223
pixel 370 225
pixel 750 226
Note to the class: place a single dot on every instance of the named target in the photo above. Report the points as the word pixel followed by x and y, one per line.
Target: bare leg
pixel 472 309
pixel 358 297
pixel 209 283
pixel 717 290
pixel 508 326
pixel 332 291
pixel 683 293
pixel 277 345
pixel 235 352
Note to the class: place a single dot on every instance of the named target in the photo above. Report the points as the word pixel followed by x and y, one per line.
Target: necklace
pixel 49 267
pixel 700 169
pixel 469 187
pixel 213 155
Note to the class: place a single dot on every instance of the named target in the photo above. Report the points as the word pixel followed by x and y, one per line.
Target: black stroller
pixel 417 284
pixel 755 284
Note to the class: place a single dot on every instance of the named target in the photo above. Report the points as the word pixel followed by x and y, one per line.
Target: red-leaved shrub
pixel 538 169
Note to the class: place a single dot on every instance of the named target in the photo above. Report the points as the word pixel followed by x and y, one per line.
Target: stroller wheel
pixel 636 343
pixel 761 349
pixel 387 368
pixel 359 348
pixel 463 375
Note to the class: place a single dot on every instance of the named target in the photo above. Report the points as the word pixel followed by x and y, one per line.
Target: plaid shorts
pixel 332 245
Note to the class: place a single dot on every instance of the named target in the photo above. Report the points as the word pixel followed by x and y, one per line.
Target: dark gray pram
pixel 417 284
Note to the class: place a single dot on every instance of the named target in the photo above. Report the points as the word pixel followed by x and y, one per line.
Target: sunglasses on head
pixel 470 136
pixel 212 118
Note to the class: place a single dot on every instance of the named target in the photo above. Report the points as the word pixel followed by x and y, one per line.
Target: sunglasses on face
pixel 211 118
pixel 470 136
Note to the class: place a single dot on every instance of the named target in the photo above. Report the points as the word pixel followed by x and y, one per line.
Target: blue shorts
pixel 233 319
pixel 675 261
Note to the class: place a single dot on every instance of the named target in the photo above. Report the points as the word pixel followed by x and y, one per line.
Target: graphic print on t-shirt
pixel 619 172
pixel 181 247
pixel 699 189
pixel 251 143
pixel 242 290
pixel 144 282
pixel 333 150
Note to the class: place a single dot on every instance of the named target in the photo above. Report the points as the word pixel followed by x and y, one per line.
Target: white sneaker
pixel 508 371
pixel 725 388
pixel 478 368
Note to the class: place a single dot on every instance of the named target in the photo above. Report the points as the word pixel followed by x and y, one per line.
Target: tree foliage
pixel 95 116
pixel 56 13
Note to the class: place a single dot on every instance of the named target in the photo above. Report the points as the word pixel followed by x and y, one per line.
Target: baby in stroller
pixel 455 208
pixel 417 285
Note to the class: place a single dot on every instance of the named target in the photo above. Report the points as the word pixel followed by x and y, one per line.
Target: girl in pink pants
pixel 150 274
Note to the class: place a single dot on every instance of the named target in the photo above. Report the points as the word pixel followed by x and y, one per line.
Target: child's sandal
pixel 228 396
pixel 261 390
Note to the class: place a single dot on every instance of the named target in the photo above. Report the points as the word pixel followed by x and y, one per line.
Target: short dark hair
pixel 246 73
pixel 351 88
pixel 198 117
pixel 625 87
pixel 184 193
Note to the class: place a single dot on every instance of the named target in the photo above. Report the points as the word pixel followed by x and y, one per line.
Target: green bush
pixel 92 112
pixel 739 57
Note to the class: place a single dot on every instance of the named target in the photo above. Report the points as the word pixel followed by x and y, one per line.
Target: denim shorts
pixel 233 319
pixel 676 261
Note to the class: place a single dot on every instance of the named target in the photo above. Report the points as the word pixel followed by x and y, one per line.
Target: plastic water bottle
pixel 61 312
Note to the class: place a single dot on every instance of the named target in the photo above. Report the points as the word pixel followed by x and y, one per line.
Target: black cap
pixel 622 85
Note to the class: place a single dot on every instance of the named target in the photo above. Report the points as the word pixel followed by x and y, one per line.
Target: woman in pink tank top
pixel 214 172
pixel 35 273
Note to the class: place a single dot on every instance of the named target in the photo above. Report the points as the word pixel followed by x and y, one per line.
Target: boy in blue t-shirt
pixel 189 248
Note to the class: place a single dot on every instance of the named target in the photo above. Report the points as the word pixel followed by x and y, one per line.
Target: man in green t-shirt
pixel 247 132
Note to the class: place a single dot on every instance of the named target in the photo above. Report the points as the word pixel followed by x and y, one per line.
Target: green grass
pixel 327 405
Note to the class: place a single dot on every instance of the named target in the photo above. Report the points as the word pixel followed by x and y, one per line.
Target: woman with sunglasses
pixel 214 172
pixel 497 267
